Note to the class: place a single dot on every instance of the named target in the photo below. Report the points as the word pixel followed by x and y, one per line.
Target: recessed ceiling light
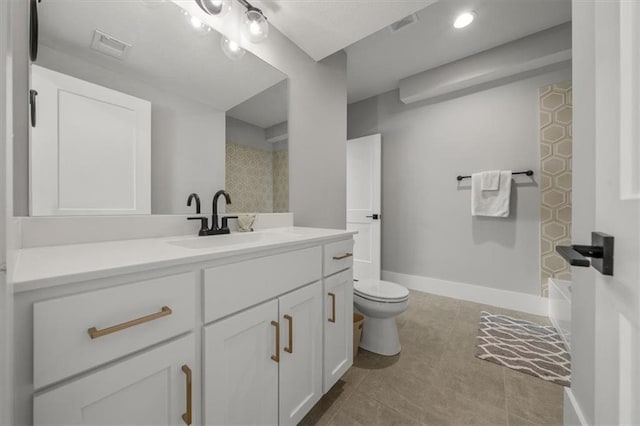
pixel 464 19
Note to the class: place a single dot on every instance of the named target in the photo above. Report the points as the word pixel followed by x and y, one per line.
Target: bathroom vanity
pixel 236 329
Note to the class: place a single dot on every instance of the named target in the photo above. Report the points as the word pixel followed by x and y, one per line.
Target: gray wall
pixel 243 133
pixel 317 131
pixel 187 137
pixel 20 60
pixel 427 225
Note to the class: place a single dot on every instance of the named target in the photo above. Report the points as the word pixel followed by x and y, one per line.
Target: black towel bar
pixel 526 172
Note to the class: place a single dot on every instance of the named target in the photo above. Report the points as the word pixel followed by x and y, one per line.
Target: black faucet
pixel 192 197
pixel 204 221
pixel 215 228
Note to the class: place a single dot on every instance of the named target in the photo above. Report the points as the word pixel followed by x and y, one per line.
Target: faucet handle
pixel 225 221
pixel 204 224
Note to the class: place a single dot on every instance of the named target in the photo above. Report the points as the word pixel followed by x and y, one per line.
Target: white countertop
pixel 41 267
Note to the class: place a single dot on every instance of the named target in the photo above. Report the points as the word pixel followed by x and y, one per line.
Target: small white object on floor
pixel 491 203
pixel 491 180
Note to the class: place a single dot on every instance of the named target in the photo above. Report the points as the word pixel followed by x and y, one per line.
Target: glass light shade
pixel 256 26
pixel 464 19
pixel 232 49
pixel 215 7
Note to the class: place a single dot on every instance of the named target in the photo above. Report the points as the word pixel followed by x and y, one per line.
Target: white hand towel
pixel 491 203
pixel 491 180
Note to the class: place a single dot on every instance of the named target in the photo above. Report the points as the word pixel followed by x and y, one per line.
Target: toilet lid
pixel 380 290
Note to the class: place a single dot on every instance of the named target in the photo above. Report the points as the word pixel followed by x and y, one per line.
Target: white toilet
pixel 380 302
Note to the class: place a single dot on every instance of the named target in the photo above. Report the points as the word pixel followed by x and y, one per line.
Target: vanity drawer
pixel 232 288
pixel 76 333
pixel 338 256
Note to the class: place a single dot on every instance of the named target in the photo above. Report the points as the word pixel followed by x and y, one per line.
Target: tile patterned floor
pixel 436 379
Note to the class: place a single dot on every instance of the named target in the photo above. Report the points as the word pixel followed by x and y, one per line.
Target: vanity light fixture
pixel 464 19
pixel 215 7
pixel 256 26
pixel 197 23
pixel 232 49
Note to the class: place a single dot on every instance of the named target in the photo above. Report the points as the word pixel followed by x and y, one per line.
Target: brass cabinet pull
pixel 276 357
pixel 95 333
pixel 344 256
pixel 333 307
pixel 187 416
pixel 289 348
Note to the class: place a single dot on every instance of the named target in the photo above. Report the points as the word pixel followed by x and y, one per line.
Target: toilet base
pixel 380 336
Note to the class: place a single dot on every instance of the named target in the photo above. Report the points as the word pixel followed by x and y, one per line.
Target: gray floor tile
pixel 436 379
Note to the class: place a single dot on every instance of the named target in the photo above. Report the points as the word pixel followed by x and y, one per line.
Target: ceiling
pixel 378 62
pixel 265 109
pixel 168 52
pixel 323 27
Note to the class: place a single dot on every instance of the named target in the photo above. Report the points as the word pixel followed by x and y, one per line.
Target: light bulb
pixel 464 19
pixel 215 7
pixel 232 49
pixel 256 25
pixel 196 22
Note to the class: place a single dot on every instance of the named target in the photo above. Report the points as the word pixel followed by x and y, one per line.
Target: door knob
pixel 374 216
pixel 600 251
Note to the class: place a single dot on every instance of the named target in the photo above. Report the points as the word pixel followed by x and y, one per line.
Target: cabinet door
pixel 149 389
pixel 90 151
pixel 240 375
pixel 338 326
pixel 300 352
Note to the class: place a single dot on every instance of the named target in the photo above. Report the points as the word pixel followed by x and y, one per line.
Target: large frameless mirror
pixel 136 105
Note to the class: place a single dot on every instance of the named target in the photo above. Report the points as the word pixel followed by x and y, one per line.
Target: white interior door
pixel 90 149
pixel 607 73
pixel 618 210
pixel 6 143
pixel 364 179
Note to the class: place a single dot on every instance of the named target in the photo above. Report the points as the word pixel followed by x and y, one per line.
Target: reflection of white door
pixel 363 203
pixel 90 149
pixel 607 188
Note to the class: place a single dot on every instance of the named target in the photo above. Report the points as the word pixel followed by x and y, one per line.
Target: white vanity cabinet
pixel 251 338
pixel 264 365
pixel 240 372
pixel 338 327
pixel 154 388
pixel 301 354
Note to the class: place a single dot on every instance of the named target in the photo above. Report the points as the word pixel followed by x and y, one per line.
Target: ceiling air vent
pixel 109 45
pixel 403 23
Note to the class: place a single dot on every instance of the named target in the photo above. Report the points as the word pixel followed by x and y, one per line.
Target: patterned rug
pixel 534 349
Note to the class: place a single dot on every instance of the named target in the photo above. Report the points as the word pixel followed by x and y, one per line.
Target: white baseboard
pixel 573 415
pixel 516 301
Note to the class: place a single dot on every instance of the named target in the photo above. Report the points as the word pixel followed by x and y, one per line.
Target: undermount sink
pixel 215 241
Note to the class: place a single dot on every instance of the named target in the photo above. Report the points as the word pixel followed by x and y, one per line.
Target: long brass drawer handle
pixel 333 307
pixel 95 333
pixel 289 347
pixel 187 416
pixel 344 256
pixel 276 357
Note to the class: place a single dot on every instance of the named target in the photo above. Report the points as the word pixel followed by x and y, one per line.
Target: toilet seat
pixel 380 291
